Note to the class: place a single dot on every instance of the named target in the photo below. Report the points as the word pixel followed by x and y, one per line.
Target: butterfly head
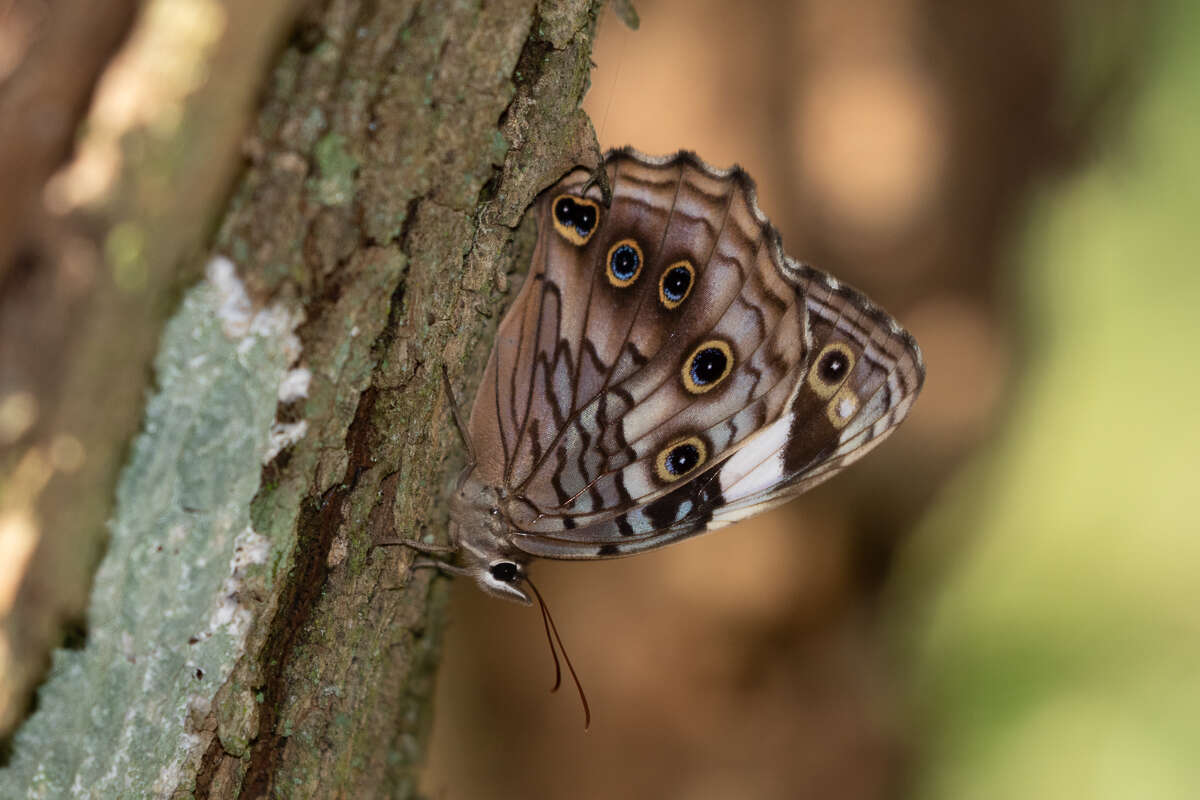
pixel 496 574
pixel 481 529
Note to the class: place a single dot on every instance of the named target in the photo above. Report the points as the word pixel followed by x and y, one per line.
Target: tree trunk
pixel 243 637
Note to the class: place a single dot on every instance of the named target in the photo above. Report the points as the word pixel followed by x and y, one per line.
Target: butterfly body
pixel 665 370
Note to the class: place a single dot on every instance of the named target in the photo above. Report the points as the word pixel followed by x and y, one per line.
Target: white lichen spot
pixel 234 308
pixel 240 321
pixel 277 321
pixel 283 434
pixel 294 385
pixel 249 548
pixel 231 615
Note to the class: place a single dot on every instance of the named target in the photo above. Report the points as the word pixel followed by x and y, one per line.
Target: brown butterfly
pixel 665 370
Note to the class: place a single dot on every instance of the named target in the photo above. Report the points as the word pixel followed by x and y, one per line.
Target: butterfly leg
pixel 458 420
pixel 428 548
pixel 431 563
pixel 599 177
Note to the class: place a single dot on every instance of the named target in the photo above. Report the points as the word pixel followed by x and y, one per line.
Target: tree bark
pixel 243 638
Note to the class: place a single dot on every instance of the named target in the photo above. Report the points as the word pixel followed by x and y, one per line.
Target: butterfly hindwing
pixel 833 420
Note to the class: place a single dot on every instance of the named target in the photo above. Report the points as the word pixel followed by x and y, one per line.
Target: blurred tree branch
pixel 242 636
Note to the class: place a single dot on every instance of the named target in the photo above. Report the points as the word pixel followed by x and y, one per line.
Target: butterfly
pixel 665 370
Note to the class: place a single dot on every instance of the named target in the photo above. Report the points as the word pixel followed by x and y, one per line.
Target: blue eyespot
pixel 624 263
pixel 676 283
pixel 707 366
pixel 680 457
pixel 575 218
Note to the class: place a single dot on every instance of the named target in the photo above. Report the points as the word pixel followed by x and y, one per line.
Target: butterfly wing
pixel 659 373
pixel 833 420
pixel 827 425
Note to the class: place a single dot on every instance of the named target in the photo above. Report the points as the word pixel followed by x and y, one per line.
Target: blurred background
pixel 1001 601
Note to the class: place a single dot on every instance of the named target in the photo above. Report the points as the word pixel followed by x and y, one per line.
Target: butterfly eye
pixel 504 571
pixel 575 218
pixel 833 364
pixel 708 365
pixel 676 284
pixel 624 263
pixel 680 457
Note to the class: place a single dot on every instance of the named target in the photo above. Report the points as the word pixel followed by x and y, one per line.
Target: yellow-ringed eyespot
pixel 575 218
pixel 842 408
pixel 830 368
pixel 675 284
pixel 680 458
pixel 624 263
pixel 707 365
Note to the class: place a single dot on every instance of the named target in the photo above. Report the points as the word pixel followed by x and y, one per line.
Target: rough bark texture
pixel 243 638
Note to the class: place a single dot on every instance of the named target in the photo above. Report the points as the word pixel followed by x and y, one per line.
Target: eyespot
pixel 679 458
pixel 675 284
pixel 504 571
pixel 575 218
pixel 624 263
pixel 830 369
pixel 707 366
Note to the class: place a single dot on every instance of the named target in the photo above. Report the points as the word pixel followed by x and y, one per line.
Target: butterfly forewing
pixel 666 369
pixel 741 310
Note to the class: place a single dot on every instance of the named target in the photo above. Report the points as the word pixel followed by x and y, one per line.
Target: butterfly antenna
pixel 550 641
pixel 551 628
pixel 458 420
